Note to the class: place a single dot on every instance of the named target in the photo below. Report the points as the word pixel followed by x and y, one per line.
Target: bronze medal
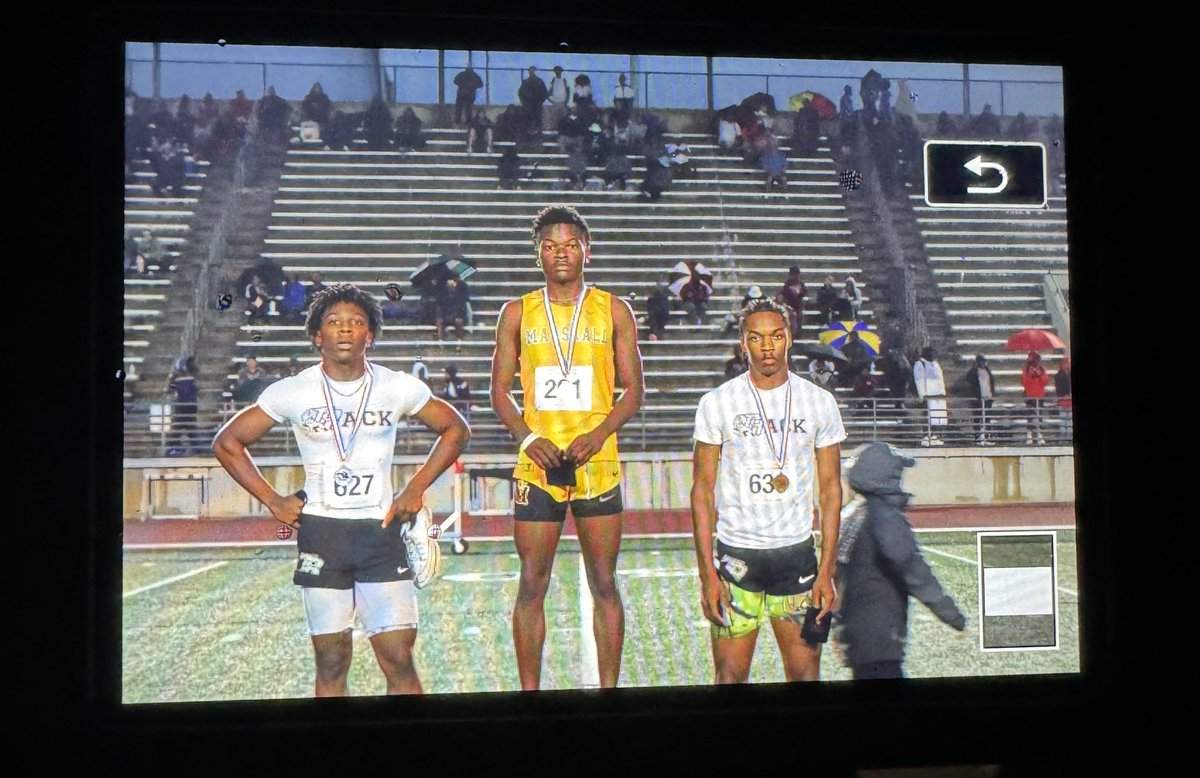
pixel 780 482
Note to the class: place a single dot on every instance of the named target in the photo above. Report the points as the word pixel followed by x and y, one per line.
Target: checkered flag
pixel 850 179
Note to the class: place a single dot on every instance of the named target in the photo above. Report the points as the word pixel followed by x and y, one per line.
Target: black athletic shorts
pixel 778 571
pixel 334 553
pixel 534 504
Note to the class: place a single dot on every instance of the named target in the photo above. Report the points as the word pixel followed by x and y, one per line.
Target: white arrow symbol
pixel 976 166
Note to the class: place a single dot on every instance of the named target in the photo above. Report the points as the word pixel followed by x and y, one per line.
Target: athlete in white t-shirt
pixel 763 441
pixel 344 414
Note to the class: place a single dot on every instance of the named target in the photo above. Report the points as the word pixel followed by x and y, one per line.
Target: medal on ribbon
pixel 780 481
pixel 345 445
pixel 564 361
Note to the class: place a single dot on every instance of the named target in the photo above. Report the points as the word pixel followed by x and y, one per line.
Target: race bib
pixel 554 392
pixel 756 483
pixel 349 487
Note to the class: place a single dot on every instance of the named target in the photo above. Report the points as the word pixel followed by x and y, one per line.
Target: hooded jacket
pixel 880 564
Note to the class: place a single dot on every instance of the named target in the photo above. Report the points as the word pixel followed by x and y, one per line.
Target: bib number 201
pixel 353 485
pixel 553 387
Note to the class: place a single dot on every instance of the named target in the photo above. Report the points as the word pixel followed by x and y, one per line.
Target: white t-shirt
pixel 363 490
pixel 750 512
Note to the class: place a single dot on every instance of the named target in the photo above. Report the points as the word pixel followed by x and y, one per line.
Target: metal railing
pixel 691 89
pixel 905 422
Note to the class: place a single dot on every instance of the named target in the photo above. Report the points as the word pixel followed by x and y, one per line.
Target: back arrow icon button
pixel 976 166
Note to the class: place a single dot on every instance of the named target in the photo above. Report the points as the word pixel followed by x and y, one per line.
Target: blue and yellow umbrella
pixel 837 333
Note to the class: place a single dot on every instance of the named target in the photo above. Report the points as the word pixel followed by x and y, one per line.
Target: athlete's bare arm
pixel 230 447
pixel 504 365
pixel 829 476
pixel 453 434
pixel 628 363
pixel 705 461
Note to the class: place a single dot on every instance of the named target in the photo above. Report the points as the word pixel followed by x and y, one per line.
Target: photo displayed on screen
pixel 475 371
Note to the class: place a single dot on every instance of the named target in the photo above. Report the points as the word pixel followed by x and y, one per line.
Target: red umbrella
pixel 1033 340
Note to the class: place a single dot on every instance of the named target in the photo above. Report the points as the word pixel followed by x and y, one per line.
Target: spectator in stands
pixel 135 263
pixel 846 104
pixel 152 251
pixel 340 132
pixel 315 284
pixel 251 380
pixel 655 130
pixel 897 374
pixel 292 368
pixel 946 128
pixel 774 163
pixel 931 387
pixel 559 94
pixel 582 98
pixel 572 131
pixel 910 148
pixel 508 169
pixel 480 135
pixel 623 97
pixel 509 124
pixel 806 129
pixel 258 299
pixel 657 179
pixel 865 387
pixel 166 159
pixel 208 109
pixel 1034 378
pixel 728 132
pixel 885 102
pixel 981 388
pixel 1020 128
pixel 293 300
pixel 458 392
pixel 377 124
pixel 850 294
pixel 827 301
pixel 532 93
pixel 985 125
pixel 408 131
pixel 420 370
pixel 577 169
pixel 617 169
pixel 658 309
pixel 793 295
pixel 733 320
pixel 736 365
pixel 185 121
pixel 1062 392
pixel 240 107
pixel 868 89
pixel 820 372
pixel 182 390
pixel 695 296
pixel 453 299
pixel 467 83
pixel 599 143
pixel 858 358
pixel 316 107
pixel 273 113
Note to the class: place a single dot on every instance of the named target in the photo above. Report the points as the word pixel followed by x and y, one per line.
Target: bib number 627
pixel 352 486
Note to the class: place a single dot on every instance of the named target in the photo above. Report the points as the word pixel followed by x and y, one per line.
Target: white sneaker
pixel 421 548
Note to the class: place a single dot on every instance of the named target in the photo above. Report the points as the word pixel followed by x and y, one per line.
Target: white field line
pixel 173 579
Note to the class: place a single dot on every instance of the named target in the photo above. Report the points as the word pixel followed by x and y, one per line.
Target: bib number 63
pixel 760 483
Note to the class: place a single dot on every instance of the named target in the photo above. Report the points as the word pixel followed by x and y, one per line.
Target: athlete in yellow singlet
pixel 574 344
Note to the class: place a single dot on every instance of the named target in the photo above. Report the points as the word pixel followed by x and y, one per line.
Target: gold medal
pixel 780 482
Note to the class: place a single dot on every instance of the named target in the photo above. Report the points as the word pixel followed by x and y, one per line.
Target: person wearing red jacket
pixel 1034 378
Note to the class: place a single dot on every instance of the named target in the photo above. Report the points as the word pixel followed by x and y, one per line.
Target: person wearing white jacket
pixel 931 387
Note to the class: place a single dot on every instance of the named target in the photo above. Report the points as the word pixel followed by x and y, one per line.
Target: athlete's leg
pixel 801 662
pixel 394 651
pixel 536 542
pixel 333 652
pixel 600 540
pixel 732 657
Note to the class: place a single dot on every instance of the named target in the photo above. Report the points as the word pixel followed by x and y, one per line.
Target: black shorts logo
pixel 522 493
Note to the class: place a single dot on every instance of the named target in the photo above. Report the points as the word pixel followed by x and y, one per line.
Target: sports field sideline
pixel 227 623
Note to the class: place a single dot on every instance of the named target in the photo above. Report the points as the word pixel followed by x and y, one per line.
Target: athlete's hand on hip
pixel 287 509
pixel 544 453
pixel 714 598
pixel 585 447
pixel 405 506
pixel 823 593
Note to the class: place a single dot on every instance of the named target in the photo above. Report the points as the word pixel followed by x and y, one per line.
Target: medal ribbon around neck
pixel 781 455
pixel 345 447
pixel 564 363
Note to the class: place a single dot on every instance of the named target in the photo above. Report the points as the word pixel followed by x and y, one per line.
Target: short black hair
pixel 761 305
pixel 332 294
pixel 559 214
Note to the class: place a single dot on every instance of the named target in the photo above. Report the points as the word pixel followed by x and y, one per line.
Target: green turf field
pixel 227 624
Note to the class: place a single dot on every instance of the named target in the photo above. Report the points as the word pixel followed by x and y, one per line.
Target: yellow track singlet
pixel 561 408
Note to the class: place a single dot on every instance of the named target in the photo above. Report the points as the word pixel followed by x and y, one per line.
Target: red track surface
pixel 249 530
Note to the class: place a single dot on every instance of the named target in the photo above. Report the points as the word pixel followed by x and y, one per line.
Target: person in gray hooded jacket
pixel 879 566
